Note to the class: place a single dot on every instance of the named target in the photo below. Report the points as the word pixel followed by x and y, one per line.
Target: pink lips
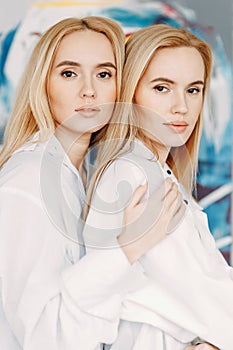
pixel 87 112
pixel 178 126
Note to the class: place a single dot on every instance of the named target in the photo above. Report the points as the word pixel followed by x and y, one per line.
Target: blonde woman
pixel 186 297
pixel 51 296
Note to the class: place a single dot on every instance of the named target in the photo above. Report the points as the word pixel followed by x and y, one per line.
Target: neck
pixel 163 153
pixel 160 151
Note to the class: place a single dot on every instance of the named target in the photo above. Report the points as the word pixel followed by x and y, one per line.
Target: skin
pixel 204 346
pixel 82 89
pixel 171 95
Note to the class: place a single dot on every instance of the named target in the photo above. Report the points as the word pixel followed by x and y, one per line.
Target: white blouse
pixel 187 290
pixel 50 298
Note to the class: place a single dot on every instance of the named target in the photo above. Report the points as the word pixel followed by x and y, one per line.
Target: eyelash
pixel 161 88
pixel 70 74
pixel 194 91
pixel 108 74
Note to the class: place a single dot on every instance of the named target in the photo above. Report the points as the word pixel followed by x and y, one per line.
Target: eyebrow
pixel 76 64
pixel 197 82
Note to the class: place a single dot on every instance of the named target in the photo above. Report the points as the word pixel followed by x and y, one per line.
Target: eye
pixel 193 91
pixel 161 88
pixel 104 75
pixel 68 74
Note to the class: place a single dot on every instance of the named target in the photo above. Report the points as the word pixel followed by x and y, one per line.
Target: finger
pixel 174 209
pixel 162 201
pixel 200 345
pixel 176 220
pixel 177 205
pixel 203 346
pixel 171 198
pixel 206 346
pixel 137 195
pixel 180 211
pixel 160 193
pixel 153 207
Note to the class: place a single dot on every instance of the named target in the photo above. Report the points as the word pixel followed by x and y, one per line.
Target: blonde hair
pixel 31 111
pixel 140 48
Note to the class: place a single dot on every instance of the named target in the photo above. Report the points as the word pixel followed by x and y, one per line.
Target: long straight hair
pixel 123 128
pixel 31 112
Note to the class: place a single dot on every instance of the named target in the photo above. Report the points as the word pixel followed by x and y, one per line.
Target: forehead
pixel 85 45
pixel 176 63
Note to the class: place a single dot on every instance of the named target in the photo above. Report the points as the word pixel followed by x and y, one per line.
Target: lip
pixel 87 112
pixel 178 126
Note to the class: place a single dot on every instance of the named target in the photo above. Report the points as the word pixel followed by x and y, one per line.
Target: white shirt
pixel 188 291
pixel 50 298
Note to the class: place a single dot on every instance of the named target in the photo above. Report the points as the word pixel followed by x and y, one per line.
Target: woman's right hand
pixel 150 221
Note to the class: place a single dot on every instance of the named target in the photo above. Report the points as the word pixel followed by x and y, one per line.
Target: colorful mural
pixel 215 159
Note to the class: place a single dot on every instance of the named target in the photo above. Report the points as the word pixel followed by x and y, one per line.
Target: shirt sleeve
pixel 103 225
pixel 48 302
pixel 190 285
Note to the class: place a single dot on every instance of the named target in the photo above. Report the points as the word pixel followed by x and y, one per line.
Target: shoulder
pixel 122 170
pixel 22 170
pixel 133 169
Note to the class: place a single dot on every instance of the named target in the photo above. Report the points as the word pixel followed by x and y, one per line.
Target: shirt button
pixel 169 172
pixel 186 202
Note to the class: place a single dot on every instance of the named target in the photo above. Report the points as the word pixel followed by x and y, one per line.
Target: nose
pixel 88 91
pixel 179 104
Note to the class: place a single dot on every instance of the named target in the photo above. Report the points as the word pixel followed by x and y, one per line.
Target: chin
pixel 175 144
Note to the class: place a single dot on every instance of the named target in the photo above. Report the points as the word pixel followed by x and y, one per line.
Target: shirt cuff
pixel 102 274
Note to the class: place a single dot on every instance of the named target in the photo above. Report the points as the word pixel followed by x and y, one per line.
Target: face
pixel 82 82
pixel 171 95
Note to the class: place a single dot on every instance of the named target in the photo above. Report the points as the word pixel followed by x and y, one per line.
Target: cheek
pixel 149 100
pixel 110 93
pixel 60 105
pixel 53 93
pixel 196 108
pixel 193 123
pixel 112 96
pixel 58 90
pixel 139 96
pixel 55 105
pixel 59 98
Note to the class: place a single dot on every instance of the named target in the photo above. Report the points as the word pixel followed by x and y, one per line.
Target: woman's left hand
pixel 203 346
pixel 149 222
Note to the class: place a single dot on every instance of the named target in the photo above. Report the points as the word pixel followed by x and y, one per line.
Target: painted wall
pixel 220 16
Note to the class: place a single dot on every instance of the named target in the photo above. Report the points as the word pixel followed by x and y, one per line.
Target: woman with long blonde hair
pixel 155 134
pixel 51 295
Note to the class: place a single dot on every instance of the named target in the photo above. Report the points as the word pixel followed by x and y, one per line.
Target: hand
pixel 150 221
pixel 203 346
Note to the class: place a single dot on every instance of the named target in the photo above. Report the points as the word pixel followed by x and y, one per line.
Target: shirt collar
pixel 52 146
pixel 30 145
pixel 141 150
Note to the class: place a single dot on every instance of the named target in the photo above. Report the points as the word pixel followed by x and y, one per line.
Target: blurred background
pixel 22 22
